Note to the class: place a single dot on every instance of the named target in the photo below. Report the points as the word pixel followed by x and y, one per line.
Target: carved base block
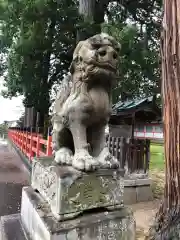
pixel 70 192
pixel 39 223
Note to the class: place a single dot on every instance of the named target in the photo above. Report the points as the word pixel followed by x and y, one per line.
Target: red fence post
pixel 31 145
pixel 18 138
pixel 26 143
pixel 14 135
pixel 49 140
pixel 37 144
pixel 21 140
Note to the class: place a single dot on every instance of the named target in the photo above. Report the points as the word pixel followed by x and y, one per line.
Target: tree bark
pixel 168 217
pixel 86 8
pixel 92 14
pixel 171 99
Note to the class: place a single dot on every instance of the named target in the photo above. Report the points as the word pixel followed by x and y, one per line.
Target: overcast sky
pixel 10 109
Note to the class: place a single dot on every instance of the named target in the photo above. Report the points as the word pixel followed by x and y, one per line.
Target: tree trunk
pixel 43 101
pixel 92 14
pixel 86 8
pixel 168 217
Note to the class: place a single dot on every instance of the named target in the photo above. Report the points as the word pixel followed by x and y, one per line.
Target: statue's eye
pixel 117 49
pixel 115 55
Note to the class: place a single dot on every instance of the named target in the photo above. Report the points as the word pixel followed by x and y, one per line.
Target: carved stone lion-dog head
pixel 96 57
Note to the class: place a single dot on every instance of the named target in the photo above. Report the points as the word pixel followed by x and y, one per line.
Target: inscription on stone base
pixel 70 192
pixel 39 223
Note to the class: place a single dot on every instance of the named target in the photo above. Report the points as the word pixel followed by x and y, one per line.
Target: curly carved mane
pixel 64 92
pixel 86 71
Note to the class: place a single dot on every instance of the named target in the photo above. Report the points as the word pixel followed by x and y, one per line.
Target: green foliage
pixel 3 129
pixel 157 156
pixel 38 37
pixel 139 35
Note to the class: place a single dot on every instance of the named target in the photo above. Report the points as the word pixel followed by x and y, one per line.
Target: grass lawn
pixel 157 157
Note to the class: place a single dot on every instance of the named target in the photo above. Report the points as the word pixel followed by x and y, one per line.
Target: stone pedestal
pixel 40 224
pixel 137 188
pixel 70 192
pixel 65 204
pixel 36 222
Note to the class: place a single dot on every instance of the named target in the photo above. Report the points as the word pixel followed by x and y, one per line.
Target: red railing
pixel 132 153
pixel 31 144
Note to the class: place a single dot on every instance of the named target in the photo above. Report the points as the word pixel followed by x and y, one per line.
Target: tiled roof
pixel 130 104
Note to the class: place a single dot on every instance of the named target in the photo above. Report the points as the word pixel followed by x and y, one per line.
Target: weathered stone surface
pixel 70 192
pixel 40 224
pixel 83 105
pixel 137 182
pixel 144 193
pixel 137 190
pixel 136 176
pixel 129 196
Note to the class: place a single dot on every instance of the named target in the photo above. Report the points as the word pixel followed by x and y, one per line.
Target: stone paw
pixel 84 162
pixel 63 156
pixel 107 160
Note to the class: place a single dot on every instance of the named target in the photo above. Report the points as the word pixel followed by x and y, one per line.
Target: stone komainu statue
pixel 83 106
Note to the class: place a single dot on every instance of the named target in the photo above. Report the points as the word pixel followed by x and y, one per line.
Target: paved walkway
pixel 13 176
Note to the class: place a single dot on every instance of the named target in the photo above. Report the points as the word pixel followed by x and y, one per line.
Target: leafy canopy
pixel 37 39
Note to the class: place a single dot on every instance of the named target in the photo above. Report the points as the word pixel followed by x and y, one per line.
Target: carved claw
pixel 107 160
pixel 63 156
pixel 83 161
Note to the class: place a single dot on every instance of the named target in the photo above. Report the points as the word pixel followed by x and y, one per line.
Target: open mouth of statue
pixel 102 65
pixel 106 66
